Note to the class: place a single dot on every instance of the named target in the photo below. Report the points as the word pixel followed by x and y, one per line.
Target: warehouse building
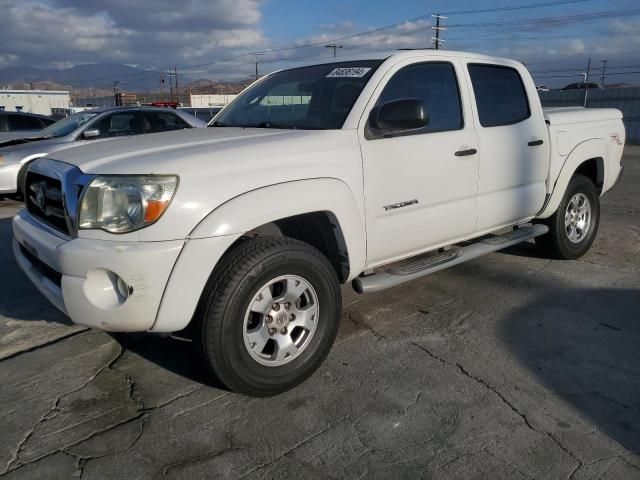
pixel 34 101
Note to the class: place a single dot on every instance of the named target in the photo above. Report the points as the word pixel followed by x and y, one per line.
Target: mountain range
pixel 100 76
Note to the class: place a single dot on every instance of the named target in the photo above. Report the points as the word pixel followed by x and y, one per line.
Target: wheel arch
pixel 323 214
pixel 587 158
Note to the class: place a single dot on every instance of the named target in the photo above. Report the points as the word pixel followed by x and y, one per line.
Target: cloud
pixel 148 33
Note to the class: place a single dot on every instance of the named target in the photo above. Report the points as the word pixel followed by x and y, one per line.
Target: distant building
pixel 34 101
pixel 219 100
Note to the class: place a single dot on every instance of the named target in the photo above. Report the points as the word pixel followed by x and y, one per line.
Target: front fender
pixel 211 238
pixel 593 148
pixel 252 209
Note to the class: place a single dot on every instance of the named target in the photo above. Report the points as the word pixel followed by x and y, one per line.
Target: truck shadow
pixel 19 299
pixel 584 346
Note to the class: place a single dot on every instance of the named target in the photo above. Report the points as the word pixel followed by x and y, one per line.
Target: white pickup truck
pixel 373 171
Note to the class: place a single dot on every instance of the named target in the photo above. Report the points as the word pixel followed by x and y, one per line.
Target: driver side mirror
pixel 398 116
pixel 92 133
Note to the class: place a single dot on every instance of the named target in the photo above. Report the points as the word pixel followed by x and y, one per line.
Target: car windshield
pixel 67 125
pixel 318 97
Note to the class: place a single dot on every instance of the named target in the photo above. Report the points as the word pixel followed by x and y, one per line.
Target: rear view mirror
pixel 92 133
pixel 399 116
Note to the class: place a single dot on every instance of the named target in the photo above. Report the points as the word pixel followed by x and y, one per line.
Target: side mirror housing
pixel 91 133
pixel 398 116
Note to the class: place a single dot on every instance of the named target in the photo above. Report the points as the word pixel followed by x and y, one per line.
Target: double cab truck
pixel 372 171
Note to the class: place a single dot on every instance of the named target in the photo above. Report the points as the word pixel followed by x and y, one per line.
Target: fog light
pixel 123 289
pixel 105 289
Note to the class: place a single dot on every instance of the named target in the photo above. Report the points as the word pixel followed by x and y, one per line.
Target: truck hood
pixel 172 152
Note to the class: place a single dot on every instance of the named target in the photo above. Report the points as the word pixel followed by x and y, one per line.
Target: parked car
pixel 82 128
pixel 375 171
pixel 19 124
pixel 582 86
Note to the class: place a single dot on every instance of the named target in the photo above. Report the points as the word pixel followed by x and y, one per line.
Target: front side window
pixel 500 95
pixel 318 97
pixel 118 125
pixel 434 83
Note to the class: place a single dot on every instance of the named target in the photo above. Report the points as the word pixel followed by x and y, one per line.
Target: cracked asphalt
pixel 511 366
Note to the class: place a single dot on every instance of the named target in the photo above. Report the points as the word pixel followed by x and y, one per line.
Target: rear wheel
pixel 269 316
pixel 574 225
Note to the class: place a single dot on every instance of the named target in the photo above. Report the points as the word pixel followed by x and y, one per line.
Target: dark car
pixel 582 86
pixel 19 124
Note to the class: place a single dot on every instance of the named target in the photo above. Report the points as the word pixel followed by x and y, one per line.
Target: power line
pixel 516 7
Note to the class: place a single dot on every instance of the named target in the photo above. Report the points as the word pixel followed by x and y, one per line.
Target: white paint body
pixel 233 180
pixel 34 101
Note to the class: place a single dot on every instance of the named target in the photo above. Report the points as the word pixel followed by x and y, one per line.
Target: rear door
pixel 514 152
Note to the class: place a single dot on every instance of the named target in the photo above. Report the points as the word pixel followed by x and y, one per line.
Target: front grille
pixel 43 198
pixel 43 268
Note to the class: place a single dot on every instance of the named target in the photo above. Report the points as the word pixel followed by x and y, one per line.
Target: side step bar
pixel 416 267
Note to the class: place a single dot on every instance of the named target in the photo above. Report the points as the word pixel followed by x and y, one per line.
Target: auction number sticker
pixel 349 72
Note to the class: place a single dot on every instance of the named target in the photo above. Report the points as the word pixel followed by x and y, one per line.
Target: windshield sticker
pixel 349 72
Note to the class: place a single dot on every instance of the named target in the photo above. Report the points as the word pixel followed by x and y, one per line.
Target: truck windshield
pixel 317 98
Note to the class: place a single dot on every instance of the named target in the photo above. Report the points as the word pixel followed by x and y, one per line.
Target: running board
pixel 416 267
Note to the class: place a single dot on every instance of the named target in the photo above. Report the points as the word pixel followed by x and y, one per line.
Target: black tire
pixel 556 243
pixel 231 288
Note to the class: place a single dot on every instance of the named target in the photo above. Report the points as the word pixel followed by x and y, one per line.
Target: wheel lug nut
pixel 287 306
pixel 272 331
pixel 284 331
pixel 276 306
pixel 269 319
pixel 292 317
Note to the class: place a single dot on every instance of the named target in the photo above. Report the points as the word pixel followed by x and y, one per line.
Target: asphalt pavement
pixel 511 366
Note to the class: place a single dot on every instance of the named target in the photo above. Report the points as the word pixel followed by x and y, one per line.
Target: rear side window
pixel 500 95
pixel 23 122
pixel 162 122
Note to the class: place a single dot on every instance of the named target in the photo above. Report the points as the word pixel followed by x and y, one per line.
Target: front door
pixel 420 185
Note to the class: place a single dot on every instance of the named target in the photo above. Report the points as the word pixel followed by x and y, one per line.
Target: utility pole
pixel 255 56
pixel 116 91
pixel 604 72
pixel 586 79
pixel 175 70
pixel 334 46
pixel 437 40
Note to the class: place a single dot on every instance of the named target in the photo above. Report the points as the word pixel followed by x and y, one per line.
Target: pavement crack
pixel 44 345
pixel 293 448
pixel 356 318
pixel 505 400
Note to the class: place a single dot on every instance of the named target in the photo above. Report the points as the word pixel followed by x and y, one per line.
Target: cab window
pixel 500 95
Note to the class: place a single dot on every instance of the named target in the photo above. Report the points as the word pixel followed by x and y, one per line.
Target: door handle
pixel 464 153
pixel 535 143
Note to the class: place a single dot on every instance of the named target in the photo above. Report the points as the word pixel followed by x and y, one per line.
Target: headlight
pixel 122 204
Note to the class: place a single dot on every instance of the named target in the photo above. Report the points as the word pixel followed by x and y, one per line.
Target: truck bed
pixel 572 115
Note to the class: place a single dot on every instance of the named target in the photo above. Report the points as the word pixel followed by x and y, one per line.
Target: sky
pixel 217 39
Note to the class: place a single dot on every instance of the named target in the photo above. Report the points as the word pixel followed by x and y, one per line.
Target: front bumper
pixel 79 276
pixel 9 178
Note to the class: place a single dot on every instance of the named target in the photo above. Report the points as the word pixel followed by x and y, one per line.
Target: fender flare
pixel 247 211
pixel 592 148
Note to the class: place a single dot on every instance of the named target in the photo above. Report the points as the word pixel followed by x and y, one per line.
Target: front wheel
pixel 269 316
pixel 574 225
